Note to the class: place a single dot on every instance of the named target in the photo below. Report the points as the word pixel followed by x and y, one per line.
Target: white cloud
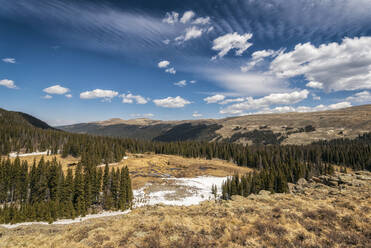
pixel 171 102
pixel 8 83
pixel 56 89
pixel 107 95
pixel 258 57
pixel 202 21
pixel 9 60
pixel 337 66
pixel 265 102
pixel 170 70
pixel 196 114
pixel 228 101
pixel 314 85
pixel 360 97
pixel 171 18
pixel 130 98
pixel 163 64
pixel 149 115
pixel 339 105
pixel 285 109
pixel 248 84
pixel 190 33
pixel 193 81
pixel 68 96
pixel 47 97
pixel 187 16
pixel 181 83
pixel 166 42
pixel 315 97
pixel 214 98
pixel 230 41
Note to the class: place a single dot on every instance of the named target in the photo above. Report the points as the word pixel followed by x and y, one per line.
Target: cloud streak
pixel 9 60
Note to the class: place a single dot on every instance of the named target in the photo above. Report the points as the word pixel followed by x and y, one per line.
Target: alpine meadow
pixel 226 123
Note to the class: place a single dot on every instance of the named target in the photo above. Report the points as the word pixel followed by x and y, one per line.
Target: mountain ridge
pixel 285 128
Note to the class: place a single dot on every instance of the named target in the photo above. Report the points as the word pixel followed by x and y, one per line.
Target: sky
pixel 67 62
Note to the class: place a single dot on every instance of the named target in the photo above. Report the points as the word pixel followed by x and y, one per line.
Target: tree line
pixel 275 179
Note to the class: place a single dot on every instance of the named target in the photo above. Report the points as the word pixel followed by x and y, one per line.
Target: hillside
pixel 20 118
pixel 286 128
pixel 314 214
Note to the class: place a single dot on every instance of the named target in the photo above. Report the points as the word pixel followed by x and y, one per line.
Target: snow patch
pixel 69 221
pixel 178 191
pixel 17 154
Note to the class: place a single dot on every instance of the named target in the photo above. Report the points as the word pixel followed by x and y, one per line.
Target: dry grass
pixel 146 168
pixel 312 219
pixel 64 161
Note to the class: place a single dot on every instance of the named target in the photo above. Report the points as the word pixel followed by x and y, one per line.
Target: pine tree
pixel 79 200
pixel 214 191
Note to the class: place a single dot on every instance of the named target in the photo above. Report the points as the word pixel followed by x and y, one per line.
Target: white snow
pixel 16 154
pixel 197 190
pixel 69 221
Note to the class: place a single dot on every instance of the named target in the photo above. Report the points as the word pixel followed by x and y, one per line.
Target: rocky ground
pixel 328 211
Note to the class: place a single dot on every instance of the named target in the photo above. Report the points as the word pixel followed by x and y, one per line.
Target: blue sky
pixel 80 61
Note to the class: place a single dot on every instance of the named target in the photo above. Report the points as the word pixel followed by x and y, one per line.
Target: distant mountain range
pixel 285 128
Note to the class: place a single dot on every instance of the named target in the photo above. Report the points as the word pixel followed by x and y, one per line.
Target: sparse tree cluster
pixel 273 179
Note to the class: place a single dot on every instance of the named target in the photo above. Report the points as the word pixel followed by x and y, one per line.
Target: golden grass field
pixel 319 216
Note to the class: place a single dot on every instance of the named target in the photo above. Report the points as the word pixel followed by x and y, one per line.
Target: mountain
pixel 285 128
pixel 22 119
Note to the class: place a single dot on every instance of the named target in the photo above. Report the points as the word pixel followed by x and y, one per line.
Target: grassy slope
pixel 319 216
